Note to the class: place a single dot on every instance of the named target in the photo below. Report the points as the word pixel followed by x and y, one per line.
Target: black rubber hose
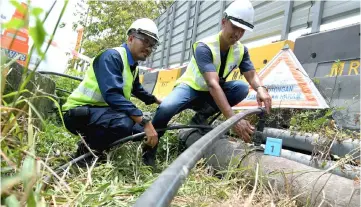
pixel 62 90
pixel 60 74
pixel 130 138
pixel 135 136
pixel 123 140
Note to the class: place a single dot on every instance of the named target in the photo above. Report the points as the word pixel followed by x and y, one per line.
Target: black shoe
pixel 199 119
pixel 149 156
pixel 202 115
pixel 88 161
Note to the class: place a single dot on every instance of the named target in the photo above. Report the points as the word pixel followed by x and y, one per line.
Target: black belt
pixel 80 111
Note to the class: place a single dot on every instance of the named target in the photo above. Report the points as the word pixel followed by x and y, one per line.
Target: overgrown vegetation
pixel 66 85
pixel 20 168
pixel 318 121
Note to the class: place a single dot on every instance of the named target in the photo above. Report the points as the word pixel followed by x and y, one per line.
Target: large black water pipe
pixel 162 191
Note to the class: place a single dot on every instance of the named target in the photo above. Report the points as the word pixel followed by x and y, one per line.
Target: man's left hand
pixel 263 96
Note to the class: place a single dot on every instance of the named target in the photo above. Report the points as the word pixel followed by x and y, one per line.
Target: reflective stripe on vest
pixel 93 94
pixel 194 78
pixel 128 77
pixel 88 92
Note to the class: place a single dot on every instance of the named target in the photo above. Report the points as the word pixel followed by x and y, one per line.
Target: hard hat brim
pixel 150 35
pixel 153 37
pixel 237 24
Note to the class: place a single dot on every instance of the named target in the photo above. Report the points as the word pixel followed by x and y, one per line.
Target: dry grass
pixel 121 180
pixel 203 189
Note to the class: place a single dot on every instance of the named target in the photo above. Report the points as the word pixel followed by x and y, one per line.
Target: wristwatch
pixel 263 87
pixel 145 119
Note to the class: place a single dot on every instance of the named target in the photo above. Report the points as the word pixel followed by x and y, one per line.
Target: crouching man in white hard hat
pixel 203 84
pixel 100 108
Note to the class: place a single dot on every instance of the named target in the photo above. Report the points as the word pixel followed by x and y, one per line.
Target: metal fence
pixel 185 22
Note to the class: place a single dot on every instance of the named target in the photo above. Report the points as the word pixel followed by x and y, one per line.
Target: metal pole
pixel 223 6
pixel 151 62
pixel 287 20
pixel 82 37
pixel 164 36
pixel 317 12
pixel 162 191
pixel 185 33
pixel 195 23
pixel 170 34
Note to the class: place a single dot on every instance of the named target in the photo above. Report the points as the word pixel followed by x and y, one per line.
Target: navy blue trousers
pixel 102 126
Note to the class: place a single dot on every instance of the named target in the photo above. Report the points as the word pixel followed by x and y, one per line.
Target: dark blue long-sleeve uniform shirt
pixel 108 68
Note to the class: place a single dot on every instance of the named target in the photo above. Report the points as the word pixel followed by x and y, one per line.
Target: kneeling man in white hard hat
pixel 203 86
pixel 100 108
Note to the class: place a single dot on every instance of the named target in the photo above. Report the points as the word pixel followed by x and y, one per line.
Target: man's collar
pixel 129 55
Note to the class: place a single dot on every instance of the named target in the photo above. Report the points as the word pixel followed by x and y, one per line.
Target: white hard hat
pixel 145 26
pixel 241 14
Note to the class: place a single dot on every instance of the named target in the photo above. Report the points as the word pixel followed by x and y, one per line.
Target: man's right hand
pixel 152 135
pixel 244 129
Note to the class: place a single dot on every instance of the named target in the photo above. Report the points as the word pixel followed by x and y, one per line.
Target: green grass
pixel 118 182
pixel 123 178
pixel 30 152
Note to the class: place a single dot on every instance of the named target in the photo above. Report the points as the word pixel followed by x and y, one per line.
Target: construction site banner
pixel 288 84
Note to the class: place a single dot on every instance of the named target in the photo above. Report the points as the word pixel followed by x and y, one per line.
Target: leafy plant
pixel 19 135
pixel 311 120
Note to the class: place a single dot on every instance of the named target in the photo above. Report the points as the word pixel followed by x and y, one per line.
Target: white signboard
pixel 288 84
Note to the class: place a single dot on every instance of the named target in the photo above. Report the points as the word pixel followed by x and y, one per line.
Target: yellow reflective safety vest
pixel 193 77
pixel 88 92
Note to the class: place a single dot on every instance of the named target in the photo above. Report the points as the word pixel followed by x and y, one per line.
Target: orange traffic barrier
pixel 15 42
